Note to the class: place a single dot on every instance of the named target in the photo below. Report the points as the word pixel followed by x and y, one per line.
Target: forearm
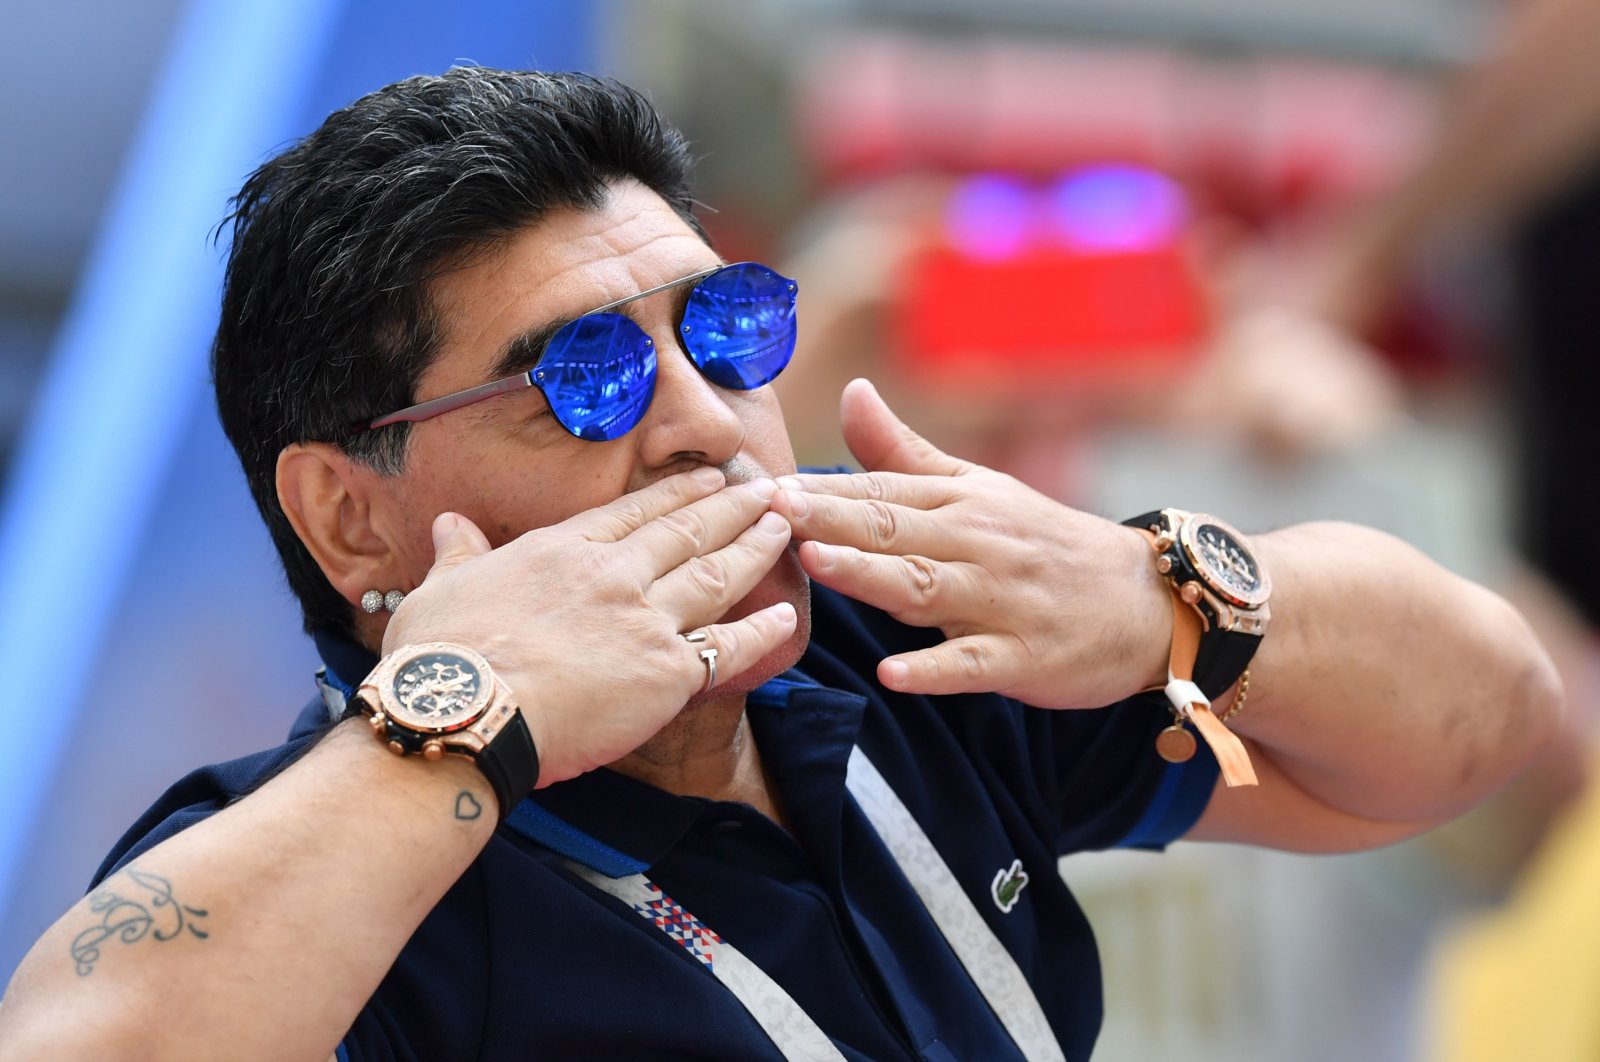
pixel 309 887
pixel 1388 689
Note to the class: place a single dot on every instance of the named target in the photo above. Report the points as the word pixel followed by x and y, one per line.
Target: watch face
pixel 1225 562
pixel 437 692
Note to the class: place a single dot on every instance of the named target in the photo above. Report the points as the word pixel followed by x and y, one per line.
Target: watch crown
pixel 1164 564
pixel 432 749
pixel 397 748
pixel 1190 592
pixel 379 723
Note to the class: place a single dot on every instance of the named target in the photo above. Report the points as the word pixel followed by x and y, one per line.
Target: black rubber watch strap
pixel 511 764
pixel 1149 521
pixel 1222 659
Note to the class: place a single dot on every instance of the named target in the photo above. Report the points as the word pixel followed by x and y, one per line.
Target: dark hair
pixel 326 315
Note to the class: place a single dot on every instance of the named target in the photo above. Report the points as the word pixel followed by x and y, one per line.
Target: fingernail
pixel 711 477
pixel 772 524
pixel 784 612
pixel 762 488
pixel 789 483
pixel 797 502
pixel 895 673
pixel 444 528
pixel 826 555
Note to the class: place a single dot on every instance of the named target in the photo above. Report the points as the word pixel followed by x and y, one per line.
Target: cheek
pixel 508 503
pixel 504 489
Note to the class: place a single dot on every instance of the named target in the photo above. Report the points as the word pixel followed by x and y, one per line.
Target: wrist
pixel 410 782
pixel 1151 614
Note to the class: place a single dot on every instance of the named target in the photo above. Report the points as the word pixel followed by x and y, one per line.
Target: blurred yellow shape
pixel 1525 982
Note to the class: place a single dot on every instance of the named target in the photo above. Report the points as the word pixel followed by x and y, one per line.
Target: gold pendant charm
pixel 1175 744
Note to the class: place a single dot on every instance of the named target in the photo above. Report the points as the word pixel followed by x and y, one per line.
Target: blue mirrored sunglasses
pixel 598 373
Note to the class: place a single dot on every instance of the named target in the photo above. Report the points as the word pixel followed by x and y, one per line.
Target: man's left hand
pixel 1054 607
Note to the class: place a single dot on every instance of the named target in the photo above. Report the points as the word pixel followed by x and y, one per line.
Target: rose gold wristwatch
pixel 439 699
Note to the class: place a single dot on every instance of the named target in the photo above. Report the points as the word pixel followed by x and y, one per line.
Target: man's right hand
pixel 569 615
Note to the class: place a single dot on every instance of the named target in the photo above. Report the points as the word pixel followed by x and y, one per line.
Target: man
pixel 476 352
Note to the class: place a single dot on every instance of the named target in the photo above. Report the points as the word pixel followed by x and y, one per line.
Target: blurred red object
pixel 1033 287
pixel 1044 319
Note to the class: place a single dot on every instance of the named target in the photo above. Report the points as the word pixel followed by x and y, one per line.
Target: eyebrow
pixel 523 351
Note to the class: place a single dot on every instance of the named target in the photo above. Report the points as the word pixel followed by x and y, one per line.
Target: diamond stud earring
pixel 373 600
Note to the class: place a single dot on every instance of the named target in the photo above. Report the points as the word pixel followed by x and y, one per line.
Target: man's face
pixel 507 464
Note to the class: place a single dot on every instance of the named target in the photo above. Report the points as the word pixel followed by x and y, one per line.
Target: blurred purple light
pixel 1117 208
pixel 990 217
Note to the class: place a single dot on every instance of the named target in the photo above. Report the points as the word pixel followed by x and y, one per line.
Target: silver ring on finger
pixel 709 655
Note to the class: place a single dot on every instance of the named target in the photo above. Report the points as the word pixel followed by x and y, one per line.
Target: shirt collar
pixel 346 660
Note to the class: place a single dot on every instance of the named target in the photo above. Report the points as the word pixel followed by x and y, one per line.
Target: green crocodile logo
pixel 1008 885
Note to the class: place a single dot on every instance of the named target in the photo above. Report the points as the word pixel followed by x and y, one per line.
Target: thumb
pixel 456 540
pixel 882 442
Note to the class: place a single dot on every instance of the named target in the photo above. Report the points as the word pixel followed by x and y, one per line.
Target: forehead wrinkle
pixel 632 275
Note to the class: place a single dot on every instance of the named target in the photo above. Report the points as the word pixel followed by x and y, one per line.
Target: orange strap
pixel 1225 744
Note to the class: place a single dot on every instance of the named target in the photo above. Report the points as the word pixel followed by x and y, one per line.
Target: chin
pixel 716 717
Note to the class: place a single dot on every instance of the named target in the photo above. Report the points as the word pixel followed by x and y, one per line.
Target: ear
pixel 329 501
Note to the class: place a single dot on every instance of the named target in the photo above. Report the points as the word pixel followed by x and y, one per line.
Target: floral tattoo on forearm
pixel 150 910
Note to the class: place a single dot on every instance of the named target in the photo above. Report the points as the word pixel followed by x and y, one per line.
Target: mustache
pixel 736 470
pixel 742 470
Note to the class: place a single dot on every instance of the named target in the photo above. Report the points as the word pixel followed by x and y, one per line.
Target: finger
pixel 455 540
pixel 912 589
pixel 703 587
pixel 979 663
pixel 618 519
pixel 701 526
pixel 882 442
pixel 872 525
pixel 921 492
pixel 741 644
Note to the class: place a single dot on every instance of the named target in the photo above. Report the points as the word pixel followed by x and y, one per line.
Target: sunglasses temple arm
pixel 434 407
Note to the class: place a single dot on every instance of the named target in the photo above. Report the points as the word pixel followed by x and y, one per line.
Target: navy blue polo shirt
pixel 521 958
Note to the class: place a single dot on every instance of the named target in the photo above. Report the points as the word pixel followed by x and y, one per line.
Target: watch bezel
pixel 1187 534
pixel 382 681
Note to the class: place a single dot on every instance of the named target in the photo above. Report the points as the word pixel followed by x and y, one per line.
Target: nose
pixel 689 418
